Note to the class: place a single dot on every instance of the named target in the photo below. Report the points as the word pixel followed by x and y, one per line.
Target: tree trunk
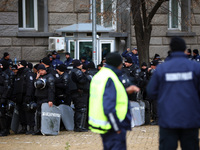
pixel 143 45
pixel 142 21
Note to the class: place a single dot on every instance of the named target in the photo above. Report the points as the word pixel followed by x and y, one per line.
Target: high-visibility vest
pixel 98 121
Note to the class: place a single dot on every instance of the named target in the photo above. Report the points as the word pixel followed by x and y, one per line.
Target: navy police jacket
pixel 176 86
pixel 134 57
pixel 109 103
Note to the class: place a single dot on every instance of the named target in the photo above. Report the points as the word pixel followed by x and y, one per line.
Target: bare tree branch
pixel 154 10
pixel 144 12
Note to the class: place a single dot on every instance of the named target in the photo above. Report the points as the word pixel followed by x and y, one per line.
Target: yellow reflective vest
pixel 98 121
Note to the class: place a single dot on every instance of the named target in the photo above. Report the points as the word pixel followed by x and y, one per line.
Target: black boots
pixel 80 118
pixel 23 130
pixel 38 131
pixel 4 131
pixel 31 130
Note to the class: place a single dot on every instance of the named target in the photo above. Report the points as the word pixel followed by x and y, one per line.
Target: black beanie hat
pixel 76 63
pixel 41 67
pixel 85 67
pixel 128 60
pixel 36 66
pixel 54 53
pixel 30 65
pixel 61 67
pixel 84 58
pixel 196 51
pixel 5 54
pixel 67 53
pixel 189 50
pixel 23 63
pixel 5 65
pixel 177 44
pixel 114 59
pixel 154 63
pixel 46 61
pixel 91 65
pixel 144 64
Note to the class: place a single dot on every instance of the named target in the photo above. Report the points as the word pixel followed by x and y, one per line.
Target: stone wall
pixel 66 12
pixel 30 49
pixel 60 13
pixel 160 41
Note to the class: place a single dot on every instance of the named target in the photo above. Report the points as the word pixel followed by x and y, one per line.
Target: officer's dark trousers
pixel 22 115
pixel 154 110
pixel 30 118
pixel 114 141
pixel 80 101
pixel 169 139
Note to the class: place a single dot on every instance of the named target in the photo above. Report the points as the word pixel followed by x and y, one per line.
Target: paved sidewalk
pixel 140 138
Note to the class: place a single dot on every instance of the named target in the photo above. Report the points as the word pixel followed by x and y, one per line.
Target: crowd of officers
pixel 55 82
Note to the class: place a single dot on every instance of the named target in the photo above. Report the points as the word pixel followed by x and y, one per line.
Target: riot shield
pixel 50 119
pixel 67 115
pixel 15 120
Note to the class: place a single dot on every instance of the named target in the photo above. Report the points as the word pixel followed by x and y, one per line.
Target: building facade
pixel 26 25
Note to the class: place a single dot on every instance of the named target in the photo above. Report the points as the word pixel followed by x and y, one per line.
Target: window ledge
pixel 118 34
pixel 35 34
pixel 179 33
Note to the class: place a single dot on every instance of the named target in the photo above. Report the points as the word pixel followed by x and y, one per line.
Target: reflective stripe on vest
pixel 97 119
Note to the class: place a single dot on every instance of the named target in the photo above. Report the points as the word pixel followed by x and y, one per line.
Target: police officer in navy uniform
pixel 5 91
pixel 91 69
pixel 44 92
pixel 196 56
pixel 188 53
pixel 6 57
pixel 61 86
pixel 23 93
pixel 151 70
pixel 109 112
pixel 144 79
pixel 133 54
pixel 176 86
pixel 79 95
pixel 132 72
pixel 68 60
pixel 50 70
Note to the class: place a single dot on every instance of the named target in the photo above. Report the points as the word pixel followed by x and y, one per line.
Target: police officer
pixel 91 69
pixel 151 70
pixel 50 70
pixel 188 53
pixel 144 79
pixel 132 72
pixel 196 56
pixel 44 92
pixel 5 91
pixel 108 104
pixel 61 86
pixel 23 94
pixel 56 62
pixel 68 60
pixel 79 95
pixel 133 54
pixel 175 86
pixel 6 57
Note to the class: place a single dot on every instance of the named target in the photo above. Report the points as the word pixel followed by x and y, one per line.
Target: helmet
pixel 11 105
pixel 40 84
pixel 126 81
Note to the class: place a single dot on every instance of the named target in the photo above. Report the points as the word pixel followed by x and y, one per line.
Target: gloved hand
pixel 28 99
